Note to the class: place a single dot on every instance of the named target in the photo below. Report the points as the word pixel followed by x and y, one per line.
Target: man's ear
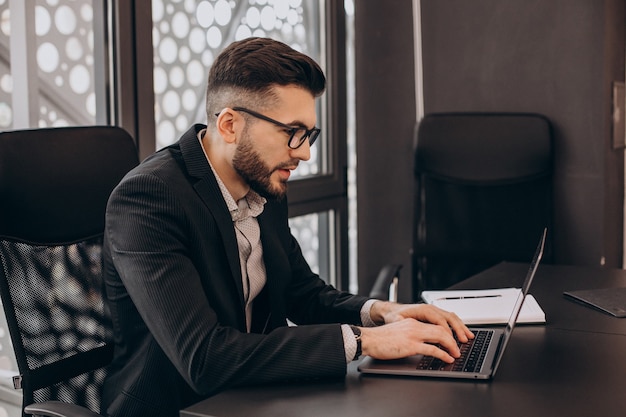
pixel 227 123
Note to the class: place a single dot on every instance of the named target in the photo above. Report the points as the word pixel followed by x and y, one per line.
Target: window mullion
pixel 24 65
pixel 102 69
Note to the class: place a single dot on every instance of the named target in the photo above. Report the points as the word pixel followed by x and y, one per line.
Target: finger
pixel 451 346
pixel 441 318
pixel 454 326
pixel 433 350
pixel 461 331
pixel 443 340
pixel 463 334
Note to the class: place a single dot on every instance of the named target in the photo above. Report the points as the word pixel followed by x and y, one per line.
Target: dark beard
pixel 248 164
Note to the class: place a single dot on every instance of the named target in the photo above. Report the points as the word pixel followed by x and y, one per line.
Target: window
pixel 52 63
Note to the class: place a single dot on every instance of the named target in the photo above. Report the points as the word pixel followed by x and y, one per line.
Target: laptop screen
pixel 520 299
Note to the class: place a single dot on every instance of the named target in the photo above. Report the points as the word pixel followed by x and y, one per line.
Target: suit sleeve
pixel 309 299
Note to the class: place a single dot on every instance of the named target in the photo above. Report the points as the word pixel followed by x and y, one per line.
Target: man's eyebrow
pixel 298 123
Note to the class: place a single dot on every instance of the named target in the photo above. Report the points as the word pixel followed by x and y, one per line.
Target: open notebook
pixel 493 306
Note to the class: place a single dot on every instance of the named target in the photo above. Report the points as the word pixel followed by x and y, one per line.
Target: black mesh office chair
pixel 54 185
pixel 483 193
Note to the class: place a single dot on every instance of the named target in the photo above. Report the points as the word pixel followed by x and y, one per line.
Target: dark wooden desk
pixel 574 365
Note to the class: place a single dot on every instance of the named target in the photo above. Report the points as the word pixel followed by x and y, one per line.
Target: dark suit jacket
pixel 174 290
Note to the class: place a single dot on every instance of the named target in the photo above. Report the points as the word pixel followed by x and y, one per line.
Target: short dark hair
pixel 248 70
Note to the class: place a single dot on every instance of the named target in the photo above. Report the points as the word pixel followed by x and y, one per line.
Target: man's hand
pixel 411 329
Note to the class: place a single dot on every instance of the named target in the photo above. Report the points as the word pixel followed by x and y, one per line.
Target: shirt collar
pixel 251 204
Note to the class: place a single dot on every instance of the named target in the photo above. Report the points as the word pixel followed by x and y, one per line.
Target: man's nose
pixel 303 152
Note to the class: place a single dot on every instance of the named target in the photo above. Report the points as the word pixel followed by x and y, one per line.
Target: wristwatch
pixel 357 337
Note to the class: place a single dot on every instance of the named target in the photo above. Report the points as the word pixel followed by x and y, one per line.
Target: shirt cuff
pixel 366 318
pixel 349 342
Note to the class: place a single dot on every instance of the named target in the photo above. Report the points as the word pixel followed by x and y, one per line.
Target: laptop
pixel 480 357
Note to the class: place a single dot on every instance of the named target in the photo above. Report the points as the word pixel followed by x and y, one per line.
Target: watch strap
pixel 357 338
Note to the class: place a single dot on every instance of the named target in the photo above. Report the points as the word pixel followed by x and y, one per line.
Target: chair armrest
pixel 386 285
pixel 58 409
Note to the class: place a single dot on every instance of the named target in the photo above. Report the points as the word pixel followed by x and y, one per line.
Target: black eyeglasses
pixel 297 135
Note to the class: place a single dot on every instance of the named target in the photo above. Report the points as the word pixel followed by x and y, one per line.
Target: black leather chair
pixel 483 193
pixel 54 185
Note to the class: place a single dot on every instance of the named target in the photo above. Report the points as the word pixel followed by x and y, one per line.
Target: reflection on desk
pixel 574 365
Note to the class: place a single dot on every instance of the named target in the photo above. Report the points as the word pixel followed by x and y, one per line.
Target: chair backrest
pixel 54 186
pixel 483 193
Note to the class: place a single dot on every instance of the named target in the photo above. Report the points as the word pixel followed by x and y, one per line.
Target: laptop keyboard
pixel 472 355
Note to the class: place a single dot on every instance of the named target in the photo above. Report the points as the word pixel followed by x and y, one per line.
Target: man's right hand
pixel 409 337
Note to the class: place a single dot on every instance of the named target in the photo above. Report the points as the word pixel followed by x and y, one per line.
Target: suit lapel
pixel 276 267
pixel 207 188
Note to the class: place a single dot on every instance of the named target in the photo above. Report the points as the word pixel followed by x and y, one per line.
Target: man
pixel 202 272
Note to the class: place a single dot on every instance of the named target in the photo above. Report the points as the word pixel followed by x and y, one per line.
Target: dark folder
pixel 609 300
